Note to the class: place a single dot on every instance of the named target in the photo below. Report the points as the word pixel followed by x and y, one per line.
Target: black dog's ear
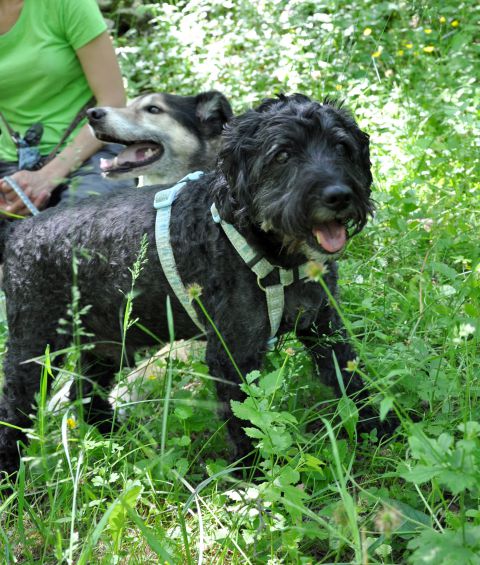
pixel 213 110
pixel 365 155
pixel 238 152
pixel 364 140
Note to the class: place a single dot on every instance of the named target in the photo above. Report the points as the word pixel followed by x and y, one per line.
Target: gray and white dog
pixel 166 135
pixel 293 177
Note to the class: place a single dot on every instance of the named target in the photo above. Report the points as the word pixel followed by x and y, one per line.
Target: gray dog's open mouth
pixel 133 156
pixel 331 236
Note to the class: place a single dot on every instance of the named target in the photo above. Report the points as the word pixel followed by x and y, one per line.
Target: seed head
pixel 194 291
pixel 387 520
pixel 315 270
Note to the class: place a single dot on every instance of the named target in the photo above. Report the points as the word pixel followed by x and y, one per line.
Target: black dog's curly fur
pixel 277 165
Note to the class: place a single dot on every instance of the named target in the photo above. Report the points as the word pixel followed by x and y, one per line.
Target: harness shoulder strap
pixel 163 204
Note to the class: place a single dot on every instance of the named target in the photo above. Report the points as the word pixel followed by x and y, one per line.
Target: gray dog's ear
pixel 213 111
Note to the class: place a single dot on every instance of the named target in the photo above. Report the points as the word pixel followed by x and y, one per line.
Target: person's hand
pixel 37 185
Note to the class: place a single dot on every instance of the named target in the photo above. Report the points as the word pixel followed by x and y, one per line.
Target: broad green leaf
pixel 385 407
pixel 271 382
pixel 349 415
pixel 420 474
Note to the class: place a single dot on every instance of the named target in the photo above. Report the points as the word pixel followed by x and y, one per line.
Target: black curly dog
pixel 293 177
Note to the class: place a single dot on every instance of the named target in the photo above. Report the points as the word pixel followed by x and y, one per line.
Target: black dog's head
pixel 298 169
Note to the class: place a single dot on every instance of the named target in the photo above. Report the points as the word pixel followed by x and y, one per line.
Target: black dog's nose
pixel 95 114
pixel 337 197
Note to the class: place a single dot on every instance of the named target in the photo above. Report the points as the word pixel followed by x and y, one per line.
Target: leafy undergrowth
pixel 162 488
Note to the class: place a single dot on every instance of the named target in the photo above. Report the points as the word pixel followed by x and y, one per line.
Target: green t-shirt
pixel 41 79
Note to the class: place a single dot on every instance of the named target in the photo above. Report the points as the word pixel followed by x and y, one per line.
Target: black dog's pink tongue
pixel 332 236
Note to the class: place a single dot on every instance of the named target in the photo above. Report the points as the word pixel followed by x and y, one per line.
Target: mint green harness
pixel 274 294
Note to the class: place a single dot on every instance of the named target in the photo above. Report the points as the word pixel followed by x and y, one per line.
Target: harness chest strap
pixel 275 296
pixel 163 204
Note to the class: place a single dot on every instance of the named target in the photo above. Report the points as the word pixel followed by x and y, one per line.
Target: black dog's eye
pixel 341 148
pixel 282 157
pixel 153 110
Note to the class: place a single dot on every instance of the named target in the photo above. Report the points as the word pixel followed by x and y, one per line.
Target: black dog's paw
pixel 9 450
pixel 370 419
pixel 9 464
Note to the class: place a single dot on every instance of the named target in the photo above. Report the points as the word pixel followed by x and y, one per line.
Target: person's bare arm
pixel 102 72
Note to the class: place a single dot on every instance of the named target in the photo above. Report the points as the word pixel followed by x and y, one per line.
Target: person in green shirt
pixel 54 55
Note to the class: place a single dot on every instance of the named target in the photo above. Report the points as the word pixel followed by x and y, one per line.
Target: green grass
pixel 160 489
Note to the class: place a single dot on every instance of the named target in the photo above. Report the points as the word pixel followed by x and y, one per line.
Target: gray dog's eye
pixel 282 157
pixel 154 110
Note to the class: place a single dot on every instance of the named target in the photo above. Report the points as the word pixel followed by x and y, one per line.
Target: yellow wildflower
pixel 428 31
pixel 377 53
pixel 455 23
pixel 409 45
pixel 400 52
pixel 338 87
pixel 71 423
pixel 429 49
pixel 352 365
pixel 367 31
pixel 442 19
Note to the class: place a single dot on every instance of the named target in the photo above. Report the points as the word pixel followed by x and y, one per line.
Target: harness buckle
pixel 165 198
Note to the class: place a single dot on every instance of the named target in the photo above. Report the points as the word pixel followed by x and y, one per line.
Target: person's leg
pixel 88 180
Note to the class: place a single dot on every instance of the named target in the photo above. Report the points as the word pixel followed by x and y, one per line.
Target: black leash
pixel 76 120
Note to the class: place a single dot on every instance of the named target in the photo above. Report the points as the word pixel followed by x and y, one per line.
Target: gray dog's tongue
pixel 332 236
pixel 134 154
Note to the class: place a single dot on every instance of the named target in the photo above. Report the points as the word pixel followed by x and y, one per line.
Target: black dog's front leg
pixel 228 386
pixel 326 340
pixel 94 386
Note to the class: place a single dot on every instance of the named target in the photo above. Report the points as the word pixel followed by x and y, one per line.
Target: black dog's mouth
pixel 331 236
pixel 138 154
pixel 327 237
